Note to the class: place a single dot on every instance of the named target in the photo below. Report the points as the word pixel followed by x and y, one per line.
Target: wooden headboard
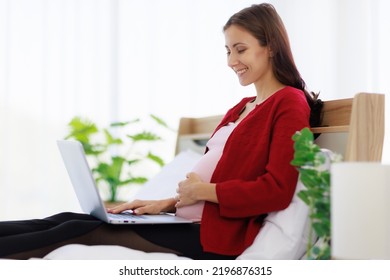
pixel 353 127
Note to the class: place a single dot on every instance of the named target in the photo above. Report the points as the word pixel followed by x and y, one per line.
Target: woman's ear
pixel 271 53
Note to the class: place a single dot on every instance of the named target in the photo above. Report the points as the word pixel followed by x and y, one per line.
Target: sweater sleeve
pixel 269 181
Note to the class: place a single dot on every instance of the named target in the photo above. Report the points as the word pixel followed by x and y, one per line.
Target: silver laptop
pixel 84 184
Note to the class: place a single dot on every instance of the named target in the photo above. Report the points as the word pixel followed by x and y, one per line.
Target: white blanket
pixel 105 252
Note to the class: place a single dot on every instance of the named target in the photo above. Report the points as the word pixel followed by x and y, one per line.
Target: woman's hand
pixel 193 189
pixel 140 207
pixel 186 192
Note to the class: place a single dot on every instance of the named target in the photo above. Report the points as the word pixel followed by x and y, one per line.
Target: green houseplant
pixel 310 162
pixel 114 151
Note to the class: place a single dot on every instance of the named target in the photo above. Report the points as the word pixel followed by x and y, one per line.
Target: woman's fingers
pixel 133 205
pixel 119 208
pixel 140 207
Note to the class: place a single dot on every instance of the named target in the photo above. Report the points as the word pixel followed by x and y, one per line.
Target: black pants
pixel 36 238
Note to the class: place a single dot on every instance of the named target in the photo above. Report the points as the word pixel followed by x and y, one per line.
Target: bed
pixel 352 127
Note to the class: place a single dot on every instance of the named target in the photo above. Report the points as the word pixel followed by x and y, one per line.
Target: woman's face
pixel 248 59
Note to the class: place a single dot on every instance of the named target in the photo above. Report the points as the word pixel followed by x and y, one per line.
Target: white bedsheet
pixel 105 252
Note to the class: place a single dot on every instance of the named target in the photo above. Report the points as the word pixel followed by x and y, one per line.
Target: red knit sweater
pixel 254 175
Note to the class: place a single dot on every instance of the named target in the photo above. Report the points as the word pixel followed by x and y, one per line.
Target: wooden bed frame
pixel 352 127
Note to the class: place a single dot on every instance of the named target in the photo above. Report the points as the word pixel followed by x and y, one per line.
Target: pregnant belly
pixel 192 212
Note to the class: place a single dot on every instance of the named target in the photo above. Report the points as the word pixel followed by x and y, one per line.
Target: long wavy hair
pixel 264 23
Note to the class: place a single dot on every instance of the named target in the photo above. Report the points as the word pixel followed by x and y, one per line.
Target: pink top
pixel 205 168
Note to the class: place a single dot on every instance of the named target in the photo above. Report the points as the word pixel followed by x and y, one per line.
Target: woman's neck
pixel 265 89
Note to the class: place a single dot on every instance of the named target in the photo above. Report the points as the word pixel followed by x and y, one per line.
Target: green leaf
pixel 81 129
pixel 135 180
pixel 110 139
pixel 111 172
pixel 307 134
pixel 303 195
pixel 156 159
pixel 303 157
pixel 320 230
pixel 325 253
pixel 316 250
pixel 159 120
pixel 94 150
pixel 144 136
pixel 133 161
pixel 116 167
pixel 122 124
pixel 309 178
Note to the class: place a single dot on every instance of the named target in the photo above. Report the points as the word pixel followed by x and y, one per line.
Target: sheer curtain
pixel 119 59
pixel 57 62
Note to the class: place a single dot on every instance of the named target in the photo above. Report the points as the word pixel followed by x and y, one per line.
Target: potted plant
pixel 115 153
pixel 311 163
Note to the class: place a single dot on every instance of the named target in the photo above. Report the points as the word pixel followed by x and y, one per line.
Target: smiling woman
pixel 259 52
pixel 248 59
pixel 231 198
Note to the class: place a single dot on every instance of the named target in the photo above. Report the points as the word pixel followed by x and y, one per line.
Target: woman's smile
pixel 241 71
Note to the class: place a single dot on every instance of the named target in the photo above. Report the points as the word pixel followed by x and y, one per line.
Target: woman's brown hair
pixel 264 23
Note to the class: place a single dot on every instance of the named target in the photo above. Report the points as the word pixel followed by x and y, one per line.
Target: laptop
pixel 84 185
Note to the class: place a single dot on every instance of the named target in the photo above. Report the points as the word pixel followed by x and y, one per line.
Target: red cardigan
pixel 254 175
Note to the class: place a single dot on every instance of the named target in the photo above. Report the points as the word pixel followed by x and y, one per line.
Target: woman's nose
pixel 232 60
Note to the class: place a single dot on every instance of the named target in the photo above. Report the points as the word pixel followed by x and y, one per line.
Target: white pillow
pixel 284 234
pixel 164 184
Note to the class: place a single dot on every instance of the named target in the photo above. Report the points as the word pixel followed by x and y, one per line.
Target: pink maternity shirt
pixel 205 168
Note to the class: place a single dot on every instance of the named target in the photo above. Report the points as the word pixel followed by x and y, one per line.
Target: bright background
pixel 114 60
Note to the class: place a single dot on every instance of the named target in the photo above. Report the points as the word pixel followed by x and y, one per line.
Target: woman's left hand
pixel 186 192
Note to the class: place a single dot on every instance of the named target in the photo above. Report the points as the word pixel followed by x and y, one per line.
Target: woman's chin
pixel 244 83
